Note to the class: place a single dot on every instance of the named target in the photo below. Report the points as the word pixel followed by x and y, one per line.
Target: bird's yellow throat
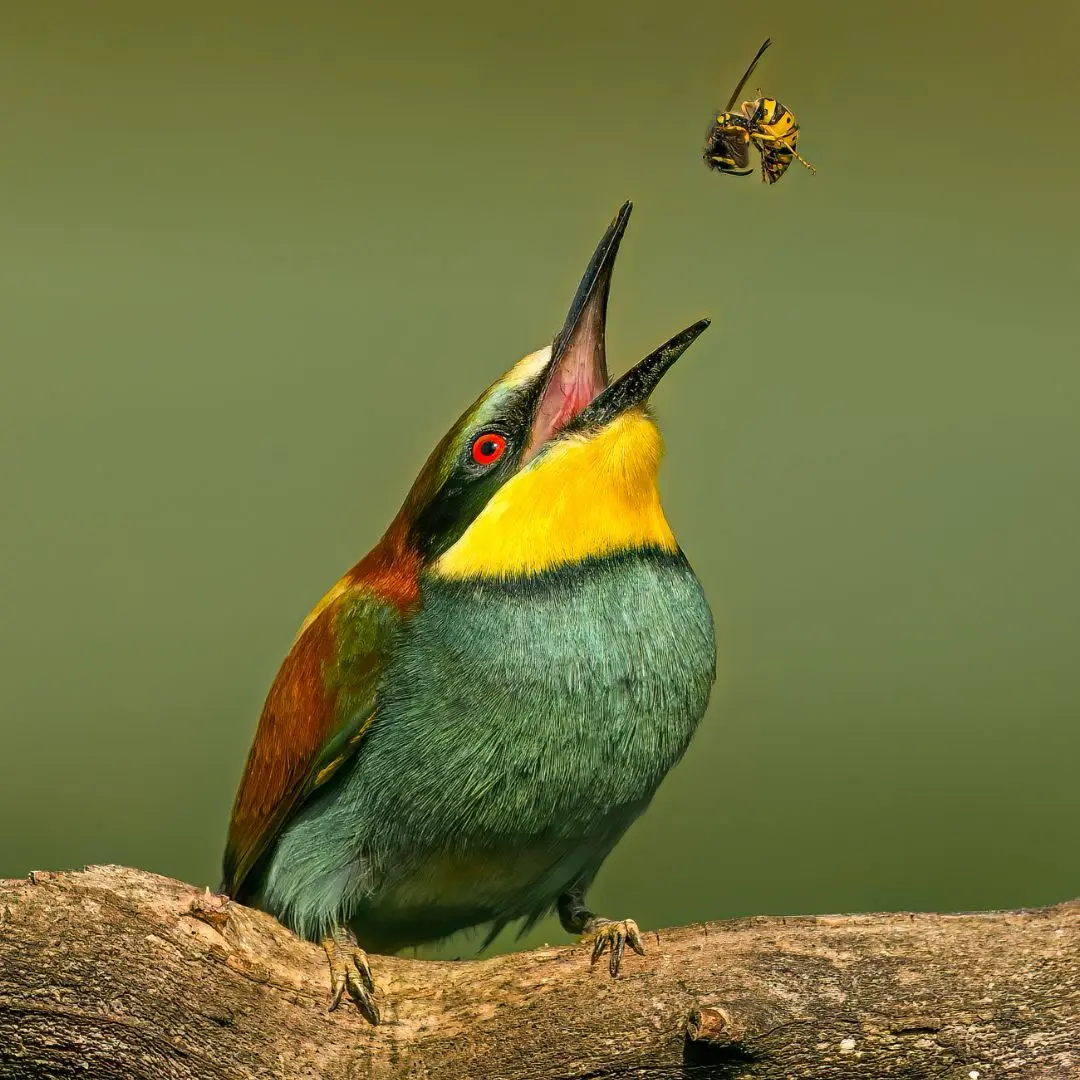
pixel 581 498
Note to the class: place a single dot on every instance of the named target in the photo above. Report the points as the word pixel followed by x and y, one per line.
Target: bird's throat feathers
pixel 584 497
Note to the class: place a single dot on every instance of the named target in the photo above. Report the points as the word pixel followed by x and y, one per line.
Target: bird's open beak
pixel 575 389
pixel 577 370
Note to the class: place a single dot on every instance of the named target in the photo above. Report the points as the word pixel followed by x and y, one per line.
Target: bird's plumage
pixel 473 715
pixel 321 702
pixel 521 728
pixel 324 694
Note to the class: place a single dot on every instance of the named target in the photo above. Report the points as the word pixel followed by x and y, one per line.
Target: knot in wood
pixel 713 1026
pixel 212 909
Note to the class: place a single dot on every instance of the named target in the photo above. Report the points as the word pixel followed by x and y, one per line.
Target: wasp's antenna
pixel 746 75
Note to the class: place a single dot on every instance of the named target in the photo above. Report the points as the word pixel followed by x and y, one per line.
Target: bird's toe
pixel 612 936
pixel 350 973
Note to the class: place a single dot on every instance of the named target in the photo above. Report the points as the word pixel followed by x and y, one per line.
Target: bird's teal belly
pixel 520 729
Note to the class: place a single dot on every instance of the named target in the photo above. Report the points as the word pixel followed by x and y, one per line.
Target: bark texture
pixel 110 972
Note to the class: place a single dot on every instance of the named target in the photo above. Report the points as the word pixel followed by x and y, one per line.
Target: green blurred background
pixel 256 258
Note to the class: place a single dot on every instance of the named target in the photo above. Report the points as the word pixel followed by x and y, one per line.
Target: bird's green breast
pixel 543 699
pixel 521 726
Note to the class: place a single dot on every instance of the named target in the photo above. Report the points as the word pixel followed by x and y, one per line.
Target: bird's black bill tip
pixel 633 389
pixel 595 282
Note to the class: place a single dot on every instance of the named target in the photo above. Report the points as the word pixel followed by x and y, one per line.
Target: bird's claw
pixel 349 971
pixel 616 935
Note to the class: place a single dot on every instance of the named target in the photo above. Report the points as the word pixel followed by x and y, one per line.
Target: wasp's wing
pixel 746 75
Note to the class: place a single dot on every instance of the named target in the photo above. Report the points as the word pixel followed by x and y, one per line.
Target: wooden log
pixel 111 972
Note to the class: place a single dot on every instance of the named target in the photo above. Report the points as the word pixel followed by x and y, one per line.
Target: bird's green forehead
pixel 500 406
pixel 506 393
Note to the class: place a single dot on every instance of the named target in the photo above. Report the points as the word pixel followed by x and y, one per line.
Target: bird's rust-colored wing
pixel 321 702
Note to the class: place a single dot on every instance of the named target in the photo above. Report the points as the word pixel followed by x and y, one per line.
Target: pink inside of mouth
pixel 567 394
pixel 581 375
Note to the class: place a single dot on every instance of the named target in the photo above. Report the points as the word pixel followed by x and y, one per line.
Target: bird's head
pixel 554 462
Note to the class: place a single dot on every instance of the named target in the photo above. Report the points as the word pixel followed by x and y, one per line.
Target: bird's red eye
pixel 488 448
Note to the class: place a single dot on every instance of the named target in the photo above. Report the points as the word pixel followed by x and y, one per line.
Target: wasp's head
pixel 727 145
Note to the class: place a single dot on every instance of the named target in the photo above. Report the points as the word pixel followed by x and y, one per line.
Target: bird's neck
pixel 581 499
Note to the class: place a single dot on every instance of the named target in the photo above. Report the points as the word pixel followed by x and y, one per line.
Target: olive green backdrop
pixel 255 258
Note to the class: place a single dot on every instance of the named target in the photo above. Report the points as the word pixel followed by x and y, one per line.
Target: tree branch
pixel 110 972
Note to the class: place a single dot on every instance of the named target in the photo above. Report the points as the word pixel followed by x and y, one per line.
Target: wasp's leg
pixel 780 141
pixel 781 145
pixel 761 136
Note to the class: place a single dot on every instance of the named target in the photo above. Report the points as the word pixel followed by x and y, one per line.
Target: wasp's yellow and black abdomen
pixel 773 129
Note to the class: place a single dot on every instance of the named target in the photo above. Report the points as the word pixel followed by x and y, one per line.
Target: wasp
pixel 765 123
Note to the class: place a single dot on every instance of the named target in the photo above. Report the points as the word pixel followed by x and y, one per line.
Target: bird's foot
pixel 349 971
pixel 613 934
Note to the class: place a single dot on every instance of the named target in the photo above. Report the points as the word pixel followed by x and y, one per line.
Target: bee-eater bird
pixel 470 719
